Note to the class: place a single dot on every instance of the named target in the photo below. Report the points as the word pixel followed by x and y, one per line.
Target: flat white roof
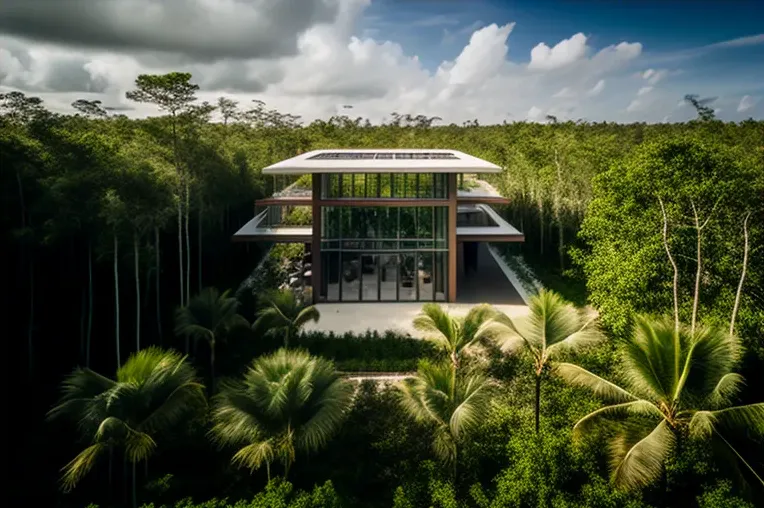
pixel 382 160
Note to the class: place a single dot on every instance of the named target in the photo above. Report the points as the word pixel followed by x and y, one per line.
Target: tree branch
pixel 742 274
pixel 673 264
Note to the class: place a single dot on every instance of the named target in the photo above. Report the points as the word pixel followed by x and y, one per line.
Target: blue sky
pixel 661 26
pixel 672 33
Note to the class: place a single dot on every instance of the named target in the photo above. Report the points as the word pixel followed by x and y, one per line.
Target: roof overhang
pixel 384 161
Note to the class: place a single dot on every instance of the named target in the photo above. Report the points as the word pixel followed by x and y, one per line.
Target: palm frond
pixel 503 331
pixel 643 463
pixel 715 353
pixel 79 389
pixel 726 389
pixel 474 398
pixel 183 400
pixel 588 334
pixel 652 361
pixel 139 446
pixel 306 315
pixel 254 455
pixel 634 408
pixel 601 387
pixel 81 465
pixel 441 329
pixel 748 418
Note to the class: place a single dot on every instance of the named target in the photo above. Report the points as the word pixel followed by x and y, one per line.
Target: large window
pixel 384 253
pixel 384 185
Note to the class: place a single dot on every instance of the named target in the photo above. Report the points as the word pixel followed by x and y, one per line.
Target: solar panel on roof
pixel 383 155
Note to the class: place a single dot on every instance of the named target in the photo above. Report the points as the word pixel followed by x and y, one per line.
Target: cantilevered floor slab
pixel 254 231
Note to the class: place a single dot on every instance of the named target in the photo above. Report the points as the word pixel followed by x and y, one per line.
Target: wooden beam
pixel 452 203
pixel 285 201
pixel 315 248
pixel 388 202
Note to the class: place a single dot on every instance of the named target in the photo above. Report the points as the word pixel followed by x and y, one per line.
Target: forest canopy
pixel 118 232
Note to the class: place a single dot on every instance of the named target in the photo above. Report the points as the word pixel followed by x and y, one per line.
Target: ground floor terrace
pixel 489 280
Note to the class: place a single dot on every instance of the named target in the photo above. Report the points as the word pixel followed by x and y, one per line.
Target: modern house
pixel 382 225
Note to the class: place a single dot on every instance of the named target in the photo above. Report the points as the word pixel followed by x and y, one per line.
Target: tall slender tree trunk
pixel 742 275
pixel 538 402
pixel 541 226
pixel 188 244
pixel 268 469
pixel 116 300
pixel 696 297
pixel 561 241
pixel 673 264
pixel 90 303
pixel 137 293
pixel 180 241
pixel 156 278
pixel 199 254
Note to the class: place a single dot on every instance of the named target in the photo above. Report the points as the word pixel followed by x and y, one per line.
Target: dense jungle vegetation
pixel 117 230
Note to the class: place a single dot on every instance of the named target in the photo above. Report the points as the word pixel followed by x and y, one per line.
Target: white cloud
pixel 653 76
pixel 645 90
pixel 565 93
pixel 635 105
pixel 332 64
pixel 483 56
pixel 563 53
pixel 596 89
pixel 534 114
pixel 746 103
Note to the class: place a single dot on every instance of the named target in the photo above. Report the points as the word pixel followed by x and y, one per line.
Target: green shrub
pixel 277 494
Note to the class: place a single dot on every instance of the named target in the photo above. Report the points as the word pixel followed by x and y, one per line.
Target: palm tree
pixel 454 336
pixel 452 404
pixel 288 402
pixel 284 312
pixel 153 391
pixel 676 384
pixel 208 316
pixel 551 327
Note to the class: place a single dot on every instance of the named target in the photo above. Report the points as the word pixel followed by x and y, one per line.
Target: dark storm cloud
pixel 200 29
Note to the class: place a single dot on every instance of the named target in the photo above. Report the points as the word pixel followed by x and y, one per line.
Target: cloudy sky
pixel 458 59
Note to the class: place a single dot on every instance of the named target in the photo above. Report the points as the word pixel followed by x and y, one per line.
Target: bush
pixel 372 352
pixel 277 494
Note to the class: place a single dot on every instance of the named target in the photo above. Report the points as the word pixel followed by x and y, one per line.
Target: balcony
pixel 278 223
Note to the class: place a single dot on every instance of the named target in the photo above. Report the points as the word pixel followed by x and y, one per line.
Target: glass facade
pixel 384 185
pixel 384 253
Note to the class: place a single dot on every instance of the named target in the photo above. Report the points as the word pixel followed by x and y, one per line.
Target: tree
pixel 90 108
pixel 454 336
pixel 209 316
pixel 173 93
pixel 705 113
pixel 154 391
pixel 228 109
pixel 676 384
pixel 453 405
pixel 552 326
pixel 288 402
pixel 283 312
pixel 645 206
